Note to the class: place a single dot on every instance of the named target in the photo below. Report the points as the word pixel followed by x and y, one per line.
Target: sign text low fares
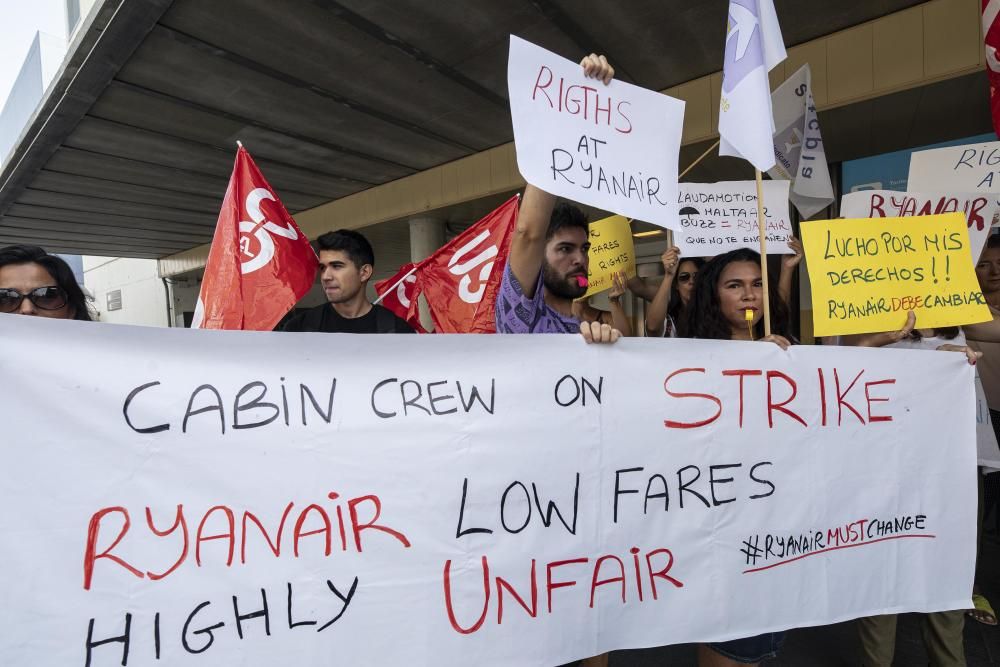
pixel 867 274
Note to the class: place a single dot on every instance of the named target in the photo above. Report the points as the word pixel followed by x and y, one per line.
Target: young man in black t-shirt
pixel 346 262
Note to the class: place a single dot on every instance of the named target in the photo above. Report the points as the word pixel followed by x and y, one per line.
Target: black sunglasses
pixel 45 298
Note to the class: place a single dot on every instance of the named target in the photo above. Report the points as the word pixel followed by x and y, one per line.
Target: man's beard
pixel 561 286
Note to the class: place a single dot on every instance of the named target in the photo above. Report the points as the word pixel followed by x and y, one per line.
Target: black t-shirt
pixel 324 318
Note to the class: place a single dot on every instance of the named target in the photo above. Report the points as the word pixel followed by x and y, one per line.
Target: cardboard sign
pixel 981 211
pixel 614 147
pixel 867 274
pixel 718 217
pixel 178 497
pixel 611 251
pixel 969 168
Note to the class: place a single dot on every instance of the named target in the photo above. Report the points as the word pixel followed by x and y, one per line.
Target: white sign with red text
pixel 614 147
pixel 178 497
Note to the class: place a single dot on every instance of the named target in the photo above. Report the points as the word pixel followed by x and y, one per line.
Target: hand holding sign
pixel 866 273
pixel 613 146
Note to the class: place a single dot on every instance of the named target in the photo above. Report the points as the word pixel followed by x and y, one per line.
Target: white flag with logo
pixel 798 145
pixel 753 48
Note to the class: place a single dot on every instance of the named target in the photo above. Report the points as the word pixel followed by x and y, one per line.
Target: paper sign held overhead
pixel 611 251
pixel 867 274
pixel 715 218
pixel 614 147
pixel 969 168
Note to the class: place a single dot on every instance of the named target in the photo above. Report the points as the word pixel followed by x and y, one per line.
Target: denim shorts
pixel 751 649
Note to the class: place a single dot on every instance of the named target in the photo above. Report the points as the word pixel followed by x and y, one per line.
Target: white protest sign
pixel 969 168
pixel 986 438
pixel 184 497
pixel 981 211
pixel 614 147
pixel 718 217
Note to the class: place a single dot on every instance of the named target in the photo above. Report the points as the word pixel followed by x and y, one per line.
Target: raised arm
pixel 619 320
pixel 656 313
pixel 527 249
pixel 883 338
pixel 641 288
pixel 788 264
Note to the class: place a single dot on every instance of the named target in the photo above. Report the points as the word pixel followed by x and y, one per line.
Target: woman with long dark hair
pixel 33 282
pixel 727 287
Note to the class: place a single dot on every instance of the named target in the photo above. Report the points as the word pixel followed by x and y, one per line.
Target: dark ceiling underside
pixel 335 97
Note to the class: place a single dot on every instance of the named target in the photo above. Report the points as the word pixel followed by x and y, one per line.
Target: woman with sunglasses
pixel 666 310
pixel 33 282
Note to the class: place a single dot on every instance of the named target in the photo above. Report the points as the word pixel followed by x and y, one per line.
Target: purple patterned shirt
pixel 516 313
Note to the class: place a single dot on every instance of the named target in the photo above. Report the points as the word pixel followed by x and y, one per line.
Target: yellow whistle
pixel 748 315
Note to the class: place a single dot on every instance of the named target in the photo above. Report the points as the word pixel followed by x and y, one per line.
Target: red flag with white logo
pixel 461 280
pixel 399 294
pixel 991 39
pixel 260 264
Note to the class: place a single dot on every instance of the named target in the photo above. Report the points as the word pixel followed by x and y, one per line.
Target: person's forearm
pixel 656 313
pixel 527 249
pixel 619 320
pixel 641 288
pixel 984 332
pixel 869 340
pixel 785 285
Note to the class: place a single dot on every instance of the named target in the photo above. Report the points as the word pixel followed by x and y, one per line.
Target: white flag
pixel 798 145
pixel 753 47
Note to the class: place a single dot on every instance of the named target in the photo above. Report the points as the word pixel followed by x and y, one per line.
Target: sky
pixel 19 21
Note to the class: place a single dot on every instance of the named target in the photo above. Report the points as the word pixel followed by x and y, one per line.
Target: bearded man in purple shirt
pixel 547 266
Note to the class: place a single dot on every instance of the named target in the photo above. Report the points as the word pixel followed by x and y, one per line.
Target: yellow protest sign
pixel 867 273
pixel 611 251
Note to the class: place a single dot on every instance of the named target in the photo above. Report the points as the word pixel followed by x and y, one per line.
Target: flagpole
pixel 700 158
pixel 762 234
pixel 383 295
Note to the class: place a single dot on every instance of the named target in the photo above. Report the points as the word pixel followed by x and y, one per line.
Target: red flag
pixel 260 264
pixel 461 280
pixel 399 294
pixel 991 38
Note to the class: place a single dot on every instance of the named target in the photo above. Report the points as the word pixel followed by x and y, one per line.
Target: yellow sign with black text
pixel 866 274
pixel 611 252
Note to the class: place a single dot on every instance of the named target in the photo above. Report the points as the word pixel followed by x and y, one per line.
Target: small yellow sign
pixel 867 273
pixel 611 251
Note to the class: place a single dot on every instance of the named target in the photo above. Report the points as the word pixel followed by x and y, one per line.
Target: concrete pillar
pixel 426 236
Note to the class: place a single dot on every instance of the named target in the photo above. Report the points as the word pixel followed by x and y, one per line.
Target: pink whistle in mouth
pixel 582 281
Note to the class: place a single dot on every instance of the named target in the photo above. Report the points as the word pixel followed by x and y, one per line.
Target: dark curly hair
pixel 703 316
pixel 57 268
pixel 566 216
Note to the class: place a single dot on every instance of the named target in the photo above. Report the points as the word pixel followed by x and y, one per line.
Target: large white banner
pixel 614 147
pixel 177 496
pixel 981 211
pixel 718 217
pixel 969 168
